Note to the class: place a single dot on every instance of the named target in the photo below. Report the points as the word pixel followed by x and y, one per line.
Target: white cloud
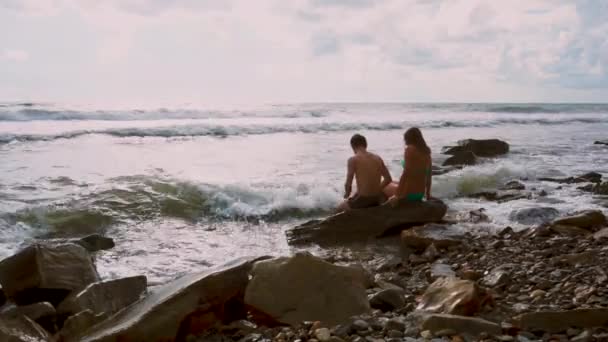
pixel 14 55
pixel 323 50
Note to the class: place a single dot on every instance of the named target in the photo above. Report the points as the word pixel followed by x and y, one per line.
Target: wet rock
pixel 287 289
pixel 534 215
pixel 387 300
pixel 569 230
pixel 592 177
pixel 460 324
pixel 32 311
pixel 96 242
pixel 461 158
pixel 188 305
pixel 420 238
pixel 22 329
pixel 478 215
pixel 601 142
pixel 598 189
pixel 363 224
pixel 586 220
pixel 105 297
pixel 513 185
pixel 482 148
pixel 558 321
pixel 46 273
pixel 501 196
pixel 454 296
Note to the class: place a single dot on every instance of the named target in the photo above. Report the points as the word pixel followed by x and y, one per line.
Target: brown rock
pixel 46 273
pixel 107 297
pixel 76 324
pixel 306 288
pixel 602 234
pixel 558 321
pixel 460 324
pixel 32 311
pixel 461 158
pixel 454 296
pixel 587 220
pixel 569 230
pixel 360 225
pixel 575 259
pixel 189 305
pixel 482 148
pixel 419 238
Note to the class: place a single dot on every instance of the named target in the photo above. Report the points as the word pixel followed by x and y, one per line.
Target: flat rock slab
pixel 420 238
pixel 22 329
pixel 587 220
pixel 361 225
pixel 306 288
pixel 190 304
pixel 460 324
pixel 558 321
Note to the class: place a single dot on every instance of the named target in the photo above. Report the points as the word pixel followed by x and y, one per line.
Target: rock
pixel 322 334
pixel 482 148
pixel 497 278
pixel 591 177
pixel 431 253
pixel 387 300
pixel 534 215
pixel 558 321
pixel 22 329
pixel 601 142
pixel 78 323
pixel 538 294
pixel 96 242
pixel 586 220
pixel 31 311
pixel 46 273
pixel 105 297
pixel 363 224
pixel 360 325
pixel 599 235
pixel 2 297
pixel 419 238
pixel 461 158
pixel 569 230
pixel 478 215
pixel 396 323
pixel 453 296
pixel 598 189
pixel 575 259
pixel 501 196
pixel 460 324
pixel 440 270
pixel 188 305
pixel 513 185
pixel 288 290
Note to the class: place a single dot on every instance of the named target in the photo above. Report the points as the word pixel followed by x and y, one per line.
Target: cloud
pixel 14 55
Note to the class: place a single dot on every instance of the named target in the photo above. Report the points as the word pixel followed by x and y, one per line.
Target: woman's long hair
pixel 413 136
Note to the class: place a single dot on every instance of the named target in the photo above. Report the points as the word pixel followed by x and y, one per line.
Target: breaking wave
pixel 140 198
pixel 218 130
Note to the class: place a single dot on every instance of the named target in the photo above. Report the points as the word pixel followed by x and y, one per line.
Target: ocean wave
pixel 218 130
pixel 140 198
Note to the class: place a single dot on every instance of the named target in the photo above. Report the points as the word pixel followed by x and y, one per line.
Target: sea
pixel 185 188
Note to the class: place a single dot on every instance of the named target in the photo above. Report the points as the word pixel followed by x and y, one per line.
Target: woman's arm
pixel 429 179
pixel 404 175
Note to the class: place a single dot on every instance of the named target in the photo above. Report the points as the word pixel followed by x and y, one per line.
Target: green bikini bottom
pixel 415 197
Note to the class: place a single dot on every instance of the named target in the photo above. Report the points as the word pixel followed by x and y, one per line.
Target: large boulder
pixel 442 236
pixel 188 305
pixel 461 158
pixel 534 215
pixel 587 220
pixel 454 296
pixel 306 288
pixel 106 297
pixel 558 321
pixel 22 329
pixel 481 148
pixel 363 224
pixel 46 273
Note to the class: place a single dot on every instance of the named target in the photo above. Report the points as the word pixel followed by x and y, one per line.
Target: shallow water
pixel 183 189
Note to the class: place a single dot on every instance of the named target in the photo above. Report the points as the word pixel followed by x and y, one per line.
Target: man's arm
pixel 386 175
pixel 350 174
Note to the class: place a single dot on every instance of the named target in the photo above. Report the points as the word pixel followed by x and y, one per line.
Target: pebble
pixel 396 323
pixel 360 325
pixel 395 333
pixel 538 294
pixel 426 334
pixel 322 334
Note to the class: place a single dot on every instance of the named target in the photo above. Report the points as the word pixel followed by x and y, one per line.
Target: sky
pixel 279 51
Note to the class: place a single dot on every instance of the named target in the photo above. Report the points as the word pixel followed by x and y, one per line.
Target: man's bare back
pixel 370 173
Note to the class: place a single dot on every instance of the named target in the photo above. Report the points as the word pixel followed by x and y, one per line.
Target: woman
pixel 415 181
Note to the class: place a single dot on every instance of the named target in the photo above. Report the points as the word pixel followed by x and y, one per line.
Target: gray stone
pixel 22 329
pixel 461 158
pixel 396 323
pixel 482 148
pixel 534 215
pixel 287 289
pixel 387 300
pixel 360 324
pixel 439 270
pixel 32 311
pixel 106 296
pixel 557 321
pixel 420 238
pixel 78 323
pixel 46 273
pixel 497 278
pixel 96 242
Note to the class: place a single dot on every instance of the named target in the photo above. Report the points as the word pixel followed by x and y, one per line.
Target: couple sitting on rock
pixel 374 182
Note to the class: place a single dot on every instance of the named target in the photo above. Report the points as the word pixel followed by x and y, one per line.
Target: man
pixel 371 175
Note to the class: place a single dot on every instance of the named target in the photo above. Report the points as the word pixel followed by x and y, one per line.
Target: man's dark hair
pixel 358 141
